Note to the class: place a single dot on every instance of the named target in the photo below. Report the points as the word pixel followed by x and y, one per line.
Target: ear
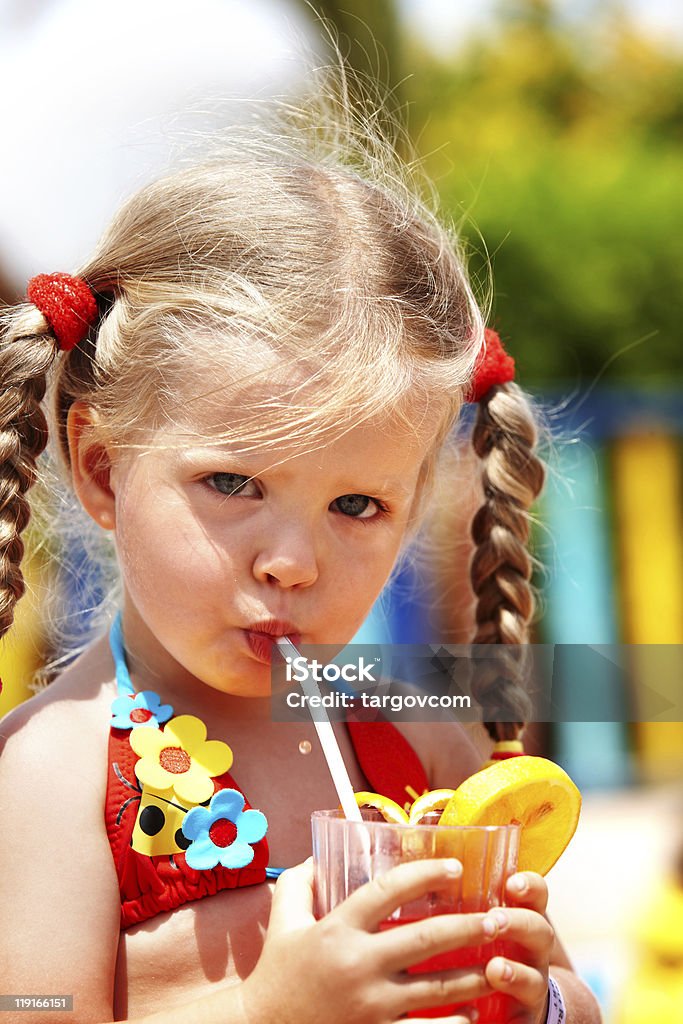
pixel 90 464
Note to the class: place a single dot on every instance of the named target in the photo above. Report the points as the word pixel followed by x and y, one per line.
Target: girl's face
pixel 212 543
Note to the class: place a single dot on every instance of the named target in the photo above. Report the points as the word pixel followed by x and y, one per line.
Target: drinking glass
pixel 347 854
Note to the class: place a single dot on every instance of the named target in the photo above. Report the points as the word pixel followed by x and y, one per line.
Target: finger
pixel 405 945
pixel 525 984
pixel 527 929
pixel 377 900
pixel 527 889
pixel 418 991
pixel 292 904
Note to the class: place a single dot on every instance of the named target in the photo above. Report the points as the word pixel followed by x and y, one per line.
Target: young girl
pixel 250 385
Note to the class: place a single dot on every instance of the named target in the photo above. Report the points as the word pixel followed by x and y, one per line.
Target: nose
pixel 287 557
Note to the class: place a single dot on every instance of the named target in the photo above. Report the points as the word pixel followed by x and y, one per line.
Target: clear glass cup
pixel 347 854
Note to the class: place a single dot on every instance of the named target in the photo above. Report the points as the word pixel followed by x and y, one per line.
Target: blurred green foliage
pixel 556 146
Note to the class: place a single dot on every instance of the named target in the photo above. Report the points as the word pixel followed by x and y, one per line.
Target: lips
pixel 261 637
pixel 274 627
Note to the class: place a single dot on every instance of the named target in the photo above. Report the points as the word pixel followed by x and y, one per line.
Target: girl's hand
pixel 522 922
pixel 343 969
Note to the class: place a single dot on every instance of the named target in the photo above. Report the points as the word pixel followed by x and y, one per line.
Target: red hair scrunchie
pixel 494 366
pixel 68 305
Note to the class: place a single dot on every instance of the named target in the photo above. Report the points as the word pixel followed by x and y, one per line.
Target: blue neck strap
pixel 123 680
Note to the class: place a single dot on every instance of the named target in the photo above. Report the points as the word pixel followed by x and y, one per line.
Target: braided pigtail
pixel 62 310
pixel 504 437
pixel 27 351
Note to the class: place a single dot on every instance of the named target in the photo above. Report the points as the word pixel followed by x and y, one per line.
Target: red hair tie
pixel 494 366
pixel 68 305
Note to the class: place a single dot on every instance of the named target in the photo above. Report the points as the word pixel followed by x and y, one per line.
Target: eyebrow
pixel 391 488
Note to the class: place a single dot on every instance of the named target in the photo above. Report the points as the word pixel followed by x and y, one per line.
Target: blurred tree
pixel 558 147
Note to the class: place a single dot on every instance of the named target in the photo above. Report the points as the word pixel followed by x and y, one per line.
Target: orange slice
pixel 434 800
pixel 530 790
pixel 389 809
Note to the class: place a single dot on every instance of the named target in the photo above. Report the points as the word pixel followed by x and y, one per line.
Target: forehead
pixel 284 413
pixel 379 455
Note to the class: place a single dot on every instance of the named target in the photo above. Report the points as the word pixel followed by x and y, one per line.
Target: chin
pixel 254 687
pixel 252 684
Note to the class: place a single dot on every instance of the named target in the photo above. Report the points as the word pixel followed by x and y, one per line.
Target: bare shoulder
pixel 73 702
pixel 444 746
pixel 57 740
pixel 445 749
pixel 57 875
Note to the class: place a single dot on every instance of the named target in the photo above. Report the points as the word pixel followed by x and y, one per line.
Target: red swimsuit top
pixel 170 799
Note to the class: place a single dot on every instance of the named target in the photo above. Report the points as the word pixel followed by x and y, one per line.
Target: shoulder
pixel 445 749
pixel 53 749
pixel 444 746
pixel 57 874
pixel 69 719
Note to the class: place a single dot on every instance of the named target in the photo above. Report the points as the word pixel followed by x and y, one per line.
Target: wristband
pixel 557 1014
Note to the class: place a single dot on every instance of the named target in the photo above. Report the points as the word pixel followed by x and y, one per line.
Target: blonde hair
pixel 291 246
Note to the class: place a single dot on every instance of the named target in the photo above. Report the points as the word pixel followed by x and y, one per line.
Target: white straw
pixel 328 741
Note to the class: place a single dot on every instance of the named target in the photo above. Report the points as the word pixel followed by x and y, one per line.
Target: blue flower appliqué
pixel 221 833
pixel 145 708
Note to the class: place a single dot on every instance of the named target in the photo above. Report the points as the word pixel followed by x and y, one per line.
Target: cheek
pixel 356 583
pixel 165 549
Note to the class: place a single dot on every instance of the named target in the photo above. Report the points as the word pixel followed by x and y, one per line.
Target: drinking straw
pixel 328 740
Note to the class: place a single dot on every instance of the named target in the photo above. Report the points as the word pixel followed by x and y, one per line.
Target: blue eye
pixel 227 483
pixel 355 505
pixel 352 506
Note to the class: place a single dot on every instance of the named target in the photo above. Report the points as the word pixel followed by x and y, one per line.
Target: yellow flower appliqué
pixel 180 758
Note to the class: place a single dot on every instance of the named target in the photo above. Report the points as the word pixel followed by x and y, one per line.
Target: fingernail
pixel 518 883
pixel 507 973
pixel 452 867
pixel 501 917
pixel 490 926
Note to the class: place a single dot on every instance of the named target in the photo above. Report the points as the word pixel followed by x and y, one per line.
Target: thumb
pixel 292 905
